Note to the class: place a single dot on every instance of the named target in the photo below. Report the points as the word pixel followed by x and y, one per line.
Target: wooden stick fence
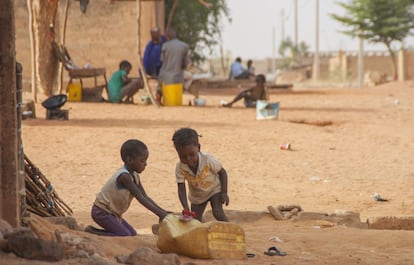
pixel 41 197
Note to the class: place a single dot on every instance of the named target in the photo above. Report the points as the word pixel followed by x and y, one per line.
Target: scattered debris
pixel 378 198
pixel 275 239
pixel 284 212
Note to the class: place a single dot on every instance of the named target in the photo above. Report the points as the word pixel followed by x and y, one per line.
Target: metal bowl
pixel 55 102
pixel 200 101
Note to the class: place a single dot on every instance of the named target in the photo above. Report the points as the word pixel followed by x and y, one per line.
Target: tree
pixel 378 21
pixel 292 53
pixel 197 23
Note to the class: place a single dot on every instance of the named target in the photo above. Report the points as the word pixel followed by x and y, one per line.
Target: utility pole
pixel 273 48
pixel 282 25
pixel 361 62
pixel 316 55
pixel 296 22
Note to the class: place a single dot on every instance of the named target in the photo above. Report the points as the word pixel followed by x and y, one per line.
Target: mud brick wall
pixel 103 36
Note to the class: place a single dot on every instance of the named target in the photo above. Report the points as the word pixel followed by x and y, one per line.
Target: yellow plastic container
pixel 75 92
pixel 212 240
pixel 172 95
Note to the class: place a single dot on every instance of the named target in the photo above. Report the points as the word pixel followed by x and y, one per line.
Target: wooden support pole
pixel 402 66
pixel 9 176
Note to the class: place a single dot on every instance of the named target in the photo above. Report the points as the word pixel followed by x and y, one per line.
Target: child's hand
pixel 225 199
pixel 187 215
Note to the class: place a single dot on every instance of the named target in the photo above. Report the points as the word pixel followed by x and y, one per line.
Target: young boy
pixel 116 195
pixel 206 177
pixel 121 88
pixel 250 96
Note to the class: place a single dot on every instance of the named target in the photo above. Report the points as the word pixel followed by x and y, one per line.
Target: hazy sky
pixel 249 35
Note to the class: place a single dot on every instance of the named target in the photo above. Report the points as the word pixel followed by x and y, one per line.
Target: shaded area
pixel 121 123
pixel 315 122
pixel 327 109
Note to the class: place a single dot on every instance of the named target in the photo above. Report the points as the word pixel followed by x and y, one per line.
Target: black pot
pixel 55 102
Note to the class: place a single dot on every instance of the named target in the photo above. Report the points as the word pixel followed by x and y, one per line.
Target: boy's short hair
pixel 132 148
pixel 260 78
pixel 124 64
pixel 184 137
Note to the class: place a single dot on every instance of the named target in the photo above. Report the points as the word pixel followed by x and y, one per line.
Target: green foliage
pixel 292 54
pixel 198 25
pixel 378 21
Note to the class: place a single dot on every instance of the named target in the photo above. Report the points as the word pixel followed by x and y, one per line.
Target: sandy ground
pixel 347 144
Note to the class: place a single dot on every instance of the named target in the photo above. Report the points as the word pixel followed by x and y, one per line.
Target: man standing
pixel 174 57
pixel 152 54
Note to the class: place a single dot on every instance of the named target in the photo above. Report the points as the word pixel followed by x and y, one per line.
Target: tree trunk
pixel 171 14
pixel 9 176
pixel 394 61
pixel 223 66
pixel 46 63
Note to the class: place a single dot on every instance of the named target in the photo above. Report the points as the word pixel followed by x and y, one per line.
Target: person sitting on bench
pixel 237 71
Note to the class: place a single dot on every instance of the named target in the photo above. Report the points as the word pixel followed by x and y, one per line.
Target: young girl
pixel 116 195
pixel 206 177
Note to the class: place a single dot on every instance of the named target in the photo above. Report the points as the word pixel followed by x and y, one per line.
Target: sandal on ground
pixel 275 212
pixel 274 251
pixel 93 230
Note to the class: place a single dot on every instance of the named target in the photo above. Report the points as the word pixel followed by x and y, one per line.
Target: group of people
pixel 238 71
pixel 205 176
pixel 166 59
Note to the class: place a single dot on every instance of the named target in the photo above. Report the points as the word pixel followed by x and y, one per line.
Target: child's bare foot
pixel 158 99
pixel 128 101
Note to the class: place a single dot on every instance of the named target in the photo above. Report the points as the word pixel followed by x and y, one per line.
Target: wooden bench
pixel 75 72
pixel 239 83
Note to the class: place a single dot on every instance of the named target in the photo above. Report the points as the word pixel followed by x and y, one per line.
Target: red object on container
pixel 187 212
pixel 187 215
pixel 285 146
